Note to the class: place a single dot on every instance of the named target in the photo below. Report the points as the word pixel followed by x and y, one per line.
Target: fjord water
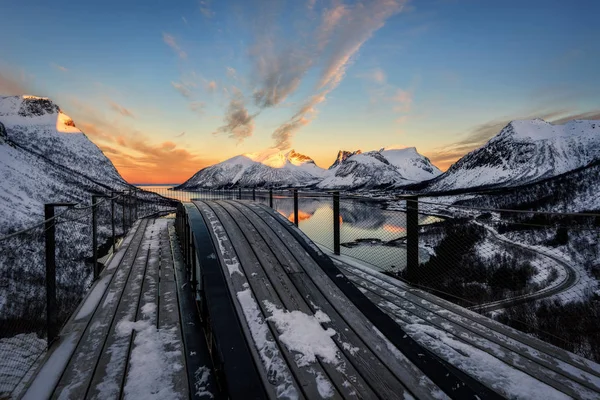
pixel 359 220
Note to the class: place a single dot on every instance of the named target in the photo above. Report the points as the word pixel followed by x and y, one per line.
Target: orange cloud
pixel 302 215
pixel 120 109
pixel 172 43
pixel 135 156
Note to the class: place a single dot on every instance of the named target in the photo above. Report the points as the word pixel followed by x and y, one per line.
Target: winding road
pixel 570 278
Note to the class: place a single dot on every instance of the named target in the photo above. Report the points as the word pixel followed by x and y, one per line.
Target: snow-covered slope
pixel 38 125
pixel 392 167
pixel 45 158
pixel 523 152
pixel 269 168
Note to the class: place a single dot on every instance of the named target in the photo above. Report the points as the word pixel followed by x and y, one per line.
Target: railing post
pixel 123 213
pixel 135 204
pixel 95 237
pixel 296 207
pixel 129 208
pixel 112 222
pixel 412 233
pixel 51 325
pixel 336 223
pixel 271 197
pixel 254 193
pixel 239 193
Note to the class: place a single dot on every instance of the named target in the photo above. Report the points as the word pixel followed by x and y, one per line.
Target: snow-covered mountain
pixel 45 158
pixel 524 152
pixel 351 170
pixel 269 168
pixel 393 167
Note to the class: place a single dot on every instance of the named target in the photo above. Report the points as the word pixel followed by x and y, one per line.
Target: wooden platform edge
pixel 235 367
pixel 197 355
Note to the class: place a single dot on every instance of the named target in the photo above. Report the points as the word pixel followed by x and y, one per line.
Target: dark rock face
pixel 3 134
pixel 35 107
pixel 343 156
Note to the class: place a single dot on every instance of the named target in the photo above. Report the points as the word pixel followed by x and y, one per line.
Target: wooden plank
pixel 355 311
pixel 270 356
pixel 168 314
pixel 406 313
pixel 268 281
pixel 375 378
pixel 77 375
pixel 109 374
pixel 555 368
pixel 546 349
pixel 200 374
pixel 237 371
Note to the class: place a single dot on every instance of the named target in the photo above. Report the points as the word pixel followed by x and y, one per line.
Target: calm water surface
pixel 359 220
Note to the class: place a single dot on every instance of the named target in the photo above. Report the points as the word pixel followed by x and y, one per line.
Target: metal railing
pixel 47 268
pixel 535 271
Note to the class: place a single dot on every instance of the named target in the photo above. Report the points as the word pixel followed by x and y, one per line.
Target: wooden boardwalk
pixel 125 339
pixel 260 312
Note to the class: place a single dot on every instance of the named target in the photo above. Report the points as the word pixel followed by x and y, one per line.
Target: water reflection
pixel 368 232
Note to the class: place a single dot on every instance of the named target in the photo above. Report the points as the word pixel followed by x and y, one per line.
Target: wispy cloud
pixel 376 75
pixel 183 89
pixel 239 123
pixel 197 107
pixel 137 157
pixel 180 135
pixel 120 109
pixel 342 33
pixel 211 86
pixel 205 8
pixel 402 100
pixel 231 72
pixel 59 67
pixel 185 21
pixel 172 43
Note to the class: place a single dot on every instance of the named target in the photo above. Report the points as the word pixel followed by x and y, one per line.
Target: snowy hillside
pixel 45 158
pixel 524 152
pixel 269 168
pixel 38 125
pixel 394 167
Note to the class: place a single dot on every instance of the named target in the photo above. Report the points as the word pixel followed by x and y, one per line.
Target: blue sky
pixel 187 83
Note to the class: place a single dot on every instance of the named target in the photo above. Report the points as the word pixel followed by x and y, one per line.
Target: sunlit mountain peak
pixel 276 158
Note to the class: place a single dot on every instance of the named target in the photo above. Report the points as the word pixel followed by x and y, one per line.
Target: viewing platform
pixel 228 299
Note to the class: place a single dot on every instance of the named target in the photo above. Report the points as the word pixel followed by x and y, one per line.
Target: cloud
pixel 402 100
pixel 205 9
pixel 59 67
pixel 183 89
pixel 185 21
pixel 170 41
pixel 231 72
pixel 375 75
pixel 197 107
pixel 342 32
pixel 239 123
pixel 180 135
pixel 443 157
pixel 120 109
pixel 137 158
pixel 211 86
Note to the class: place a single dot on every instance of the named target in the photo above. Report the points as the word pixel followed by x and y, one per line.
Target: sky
pixel 167 88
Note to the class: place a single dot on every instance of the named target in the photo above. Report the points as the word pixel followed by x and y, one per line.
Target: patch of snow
pixel 201 376
pixel 50 373
pixel 270 355
pixel 324 386
pixel 303 333
pixel 93 298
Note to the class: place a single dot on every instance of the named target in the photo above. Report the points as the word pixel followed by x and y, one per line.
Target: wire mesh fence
pixel 47 269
